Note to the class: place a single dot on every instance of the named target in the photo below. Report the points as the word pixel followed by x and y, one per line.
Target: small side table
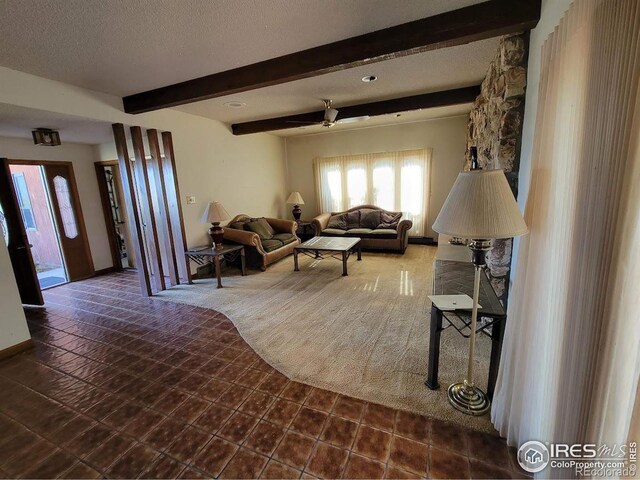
pixel 454 278
pixel 202 255
pixel 305 230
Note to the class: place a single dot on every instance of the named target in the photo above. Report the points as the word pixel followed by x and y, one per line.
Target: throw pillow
pixel 262 228
pixel 353 219
pixel 237 225
pixel 338 221
pixel 370 218
pixel 389 220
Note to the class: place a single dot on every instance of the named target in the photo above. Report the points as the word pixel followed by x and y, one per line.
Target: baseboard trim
pixel 104 271
pixel 422 241
pixel 16 349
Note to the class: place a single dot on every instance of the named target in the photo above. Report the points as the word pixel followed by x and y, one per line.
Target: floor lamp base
pixel 468 399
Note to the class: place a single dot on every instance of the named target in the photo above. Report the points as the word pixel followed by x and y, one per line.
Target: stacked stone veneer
pixel 495 127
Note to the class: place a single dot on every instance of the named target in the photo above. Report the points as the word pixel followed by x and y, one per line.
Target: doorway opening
pixel 115 213
pixel 34 201
pixel 43 226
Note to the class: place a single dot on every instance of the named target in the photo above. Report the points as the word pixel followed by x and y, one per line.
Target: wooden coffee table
pixel 328 247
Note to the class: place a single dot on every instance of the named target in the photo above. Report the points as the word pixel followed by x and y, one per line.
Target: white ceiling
pixel 19 122
pixel 124 47
pixel 453 67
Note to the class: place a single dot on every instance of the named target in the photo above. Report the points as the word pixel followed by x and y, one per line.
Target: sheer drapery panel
pixel 570 359
pixel 396 181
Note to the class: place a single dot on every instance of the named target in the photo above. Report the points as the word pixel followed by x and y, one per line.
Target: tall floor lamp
pixel 480 207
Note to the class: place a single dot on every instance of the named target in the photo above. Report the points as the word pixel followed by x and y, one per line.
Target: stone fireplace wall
pixel 495 127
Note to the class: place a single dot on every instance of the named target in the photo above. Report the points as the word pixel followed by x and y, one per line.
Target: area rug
pixel 365 335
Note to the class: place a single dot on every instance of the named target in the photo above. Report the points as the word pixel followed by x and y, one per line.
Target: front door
pixel 68 214
pixel 17 240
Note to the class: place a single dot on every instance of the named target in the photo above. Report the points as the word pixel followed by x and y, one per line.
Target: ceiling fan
pixel 331 117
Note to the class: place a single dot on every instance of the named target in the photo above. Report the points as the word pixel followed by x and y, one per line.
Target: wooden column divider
pixel 146 203
pixel 129 190
pixel 164 222
pixel 175 210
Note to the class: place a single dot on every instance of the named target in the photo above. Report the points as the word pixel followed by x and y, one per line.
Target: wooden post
pixel 146 204
pixel 135 223
pixel 164 221
pixel 175 210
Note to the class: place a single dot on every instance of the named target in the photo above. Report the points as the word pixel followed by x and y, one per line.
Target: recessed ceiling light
pixel 235 104
pixel 369 78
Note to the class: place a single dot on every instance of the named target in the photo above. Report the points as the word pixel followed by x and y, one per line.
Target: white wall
pixel 82 157
pixel 445 136
pixel 13 324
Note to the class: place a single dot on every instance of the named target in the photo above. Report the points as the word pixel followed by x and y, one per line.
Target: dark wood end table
pixel 305 230
pixel 323 247
pixel 202 255
pixel 456 278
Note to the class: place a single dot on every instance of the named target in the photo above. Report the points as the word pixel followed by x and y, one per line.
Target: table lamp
pixel 214 214
pixel 296 200
pixel 480 207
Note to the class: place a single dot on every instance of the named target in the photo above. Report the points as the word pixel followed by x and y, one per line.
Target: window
pixel 61 186
pixel 24 201
pixel 395 181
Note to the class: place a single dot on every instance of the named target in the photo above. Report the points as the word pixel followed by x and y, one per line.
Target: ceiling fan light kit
pixel 331 117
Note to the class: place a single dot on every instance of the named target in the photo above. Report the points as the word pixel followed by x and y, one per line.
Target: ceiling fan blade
pixel 354 119
pixel 330 115
pixel 303 123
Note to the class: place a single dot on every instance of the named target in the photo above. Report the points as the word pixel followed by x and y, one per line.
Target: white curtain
pixel 570 358
pixel 396 181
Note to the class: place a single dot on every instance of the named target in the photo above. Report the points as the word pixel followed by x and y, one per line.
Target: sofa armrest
pixel 243 238
pixel 403 227
pixel 403 232
pixel 283 226
pixel 320 222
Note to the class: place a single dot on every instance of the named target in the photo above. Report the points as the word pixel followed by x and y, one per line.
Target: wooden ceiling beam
pixel 405 104
pixel 476 22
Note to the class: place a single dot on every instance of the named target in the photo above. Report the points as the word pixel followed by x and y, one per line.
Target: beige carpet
pixel 365 335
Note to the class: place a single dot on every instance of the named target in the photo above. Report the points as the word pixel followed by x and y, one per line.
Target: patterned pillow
pixel 389 220
pixel 370 218
pixel 338 221
pixel 238 225
pixel 262 228
pixel 353 219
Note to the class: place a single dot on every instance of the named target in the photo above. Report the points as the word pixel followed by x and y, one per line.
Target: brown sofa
pixel 387 233
pixel 261 252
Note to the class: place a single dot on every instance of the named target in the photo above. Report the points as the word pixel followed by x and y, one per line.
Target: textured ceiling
pixel 453 67
pixel 18 122
pixel 125 46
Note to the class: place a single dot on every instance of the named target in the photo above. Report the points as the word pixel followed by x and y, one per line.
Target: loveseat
pixel 266 240
pixel 379 229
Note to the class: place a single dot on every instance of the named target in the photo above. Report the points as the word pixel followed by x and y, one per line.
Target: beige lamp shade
pixel 295 199
pixel 480 206
pixel 215 213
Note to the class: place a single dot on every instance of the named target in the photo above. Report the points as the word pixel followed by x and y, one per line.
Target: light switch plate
pixel 191 199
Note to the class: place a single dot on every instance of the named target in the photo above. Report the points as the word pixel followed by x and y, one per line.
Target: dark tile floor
pixel 122 386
